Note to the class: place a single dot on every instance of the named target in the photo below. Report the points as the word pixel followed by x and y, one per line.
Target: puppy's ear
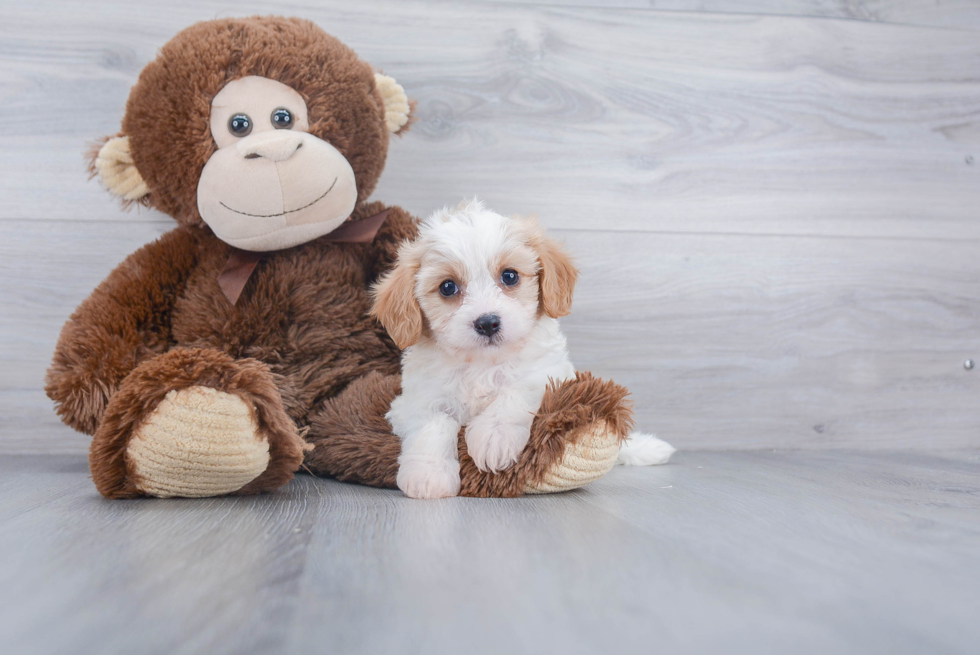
pixel 395 304
pixel 556 279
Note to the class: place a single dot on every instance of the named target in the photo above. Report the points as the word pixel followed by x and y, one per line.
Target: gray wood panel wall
pixel 775 204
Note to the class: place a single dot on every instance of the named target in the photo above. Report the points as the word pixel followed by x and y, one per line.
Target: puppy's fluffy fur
pixel 480 356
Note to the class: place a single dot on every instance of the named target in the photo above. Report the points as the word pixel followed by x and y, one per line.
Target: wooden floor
pixel 768 552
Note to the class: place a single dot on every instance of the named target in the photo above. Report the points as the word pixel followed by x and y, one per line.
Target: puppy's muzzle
pixel 487 325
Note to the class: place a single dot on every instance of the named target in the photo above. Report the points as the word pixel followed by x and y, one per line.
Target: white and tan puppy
pixel 474 302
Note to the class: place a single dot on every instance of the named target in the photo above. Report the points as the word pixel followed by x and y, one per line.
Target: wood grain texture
pixel 638 120
pixel 957 14
pixel 830 552
pixel 775 217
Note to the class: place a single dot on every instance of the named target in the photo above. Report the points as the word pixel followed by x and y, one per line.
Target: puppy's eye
pixel 509 277
pixel 240 124
pixel 448 288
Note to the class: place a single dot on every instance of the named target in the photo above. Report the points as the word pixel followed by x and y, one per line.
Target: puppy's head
pixel 474 280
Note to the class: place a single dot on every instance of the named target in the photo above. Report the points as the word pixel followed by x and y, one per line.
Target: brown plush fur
pixel 125 321
pixel 299 345
pixel 351 437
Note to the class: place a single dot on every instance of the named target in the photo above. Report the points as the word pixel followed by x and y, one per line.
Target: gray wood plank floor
pixel 768 552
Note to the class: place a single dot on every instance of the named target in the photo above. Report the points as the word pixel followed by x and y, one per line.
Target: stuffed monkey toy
pixel 237 348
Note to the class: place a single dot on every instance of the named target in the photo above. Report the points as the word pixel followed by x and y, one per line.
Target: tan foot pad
pixel 585 461
pixel 197 442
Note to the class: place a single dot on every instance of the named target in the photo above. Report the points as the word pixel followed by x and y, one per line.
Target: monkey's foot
pixel 193 423
pixel 588 456
pixel 197 442
pixel 575 440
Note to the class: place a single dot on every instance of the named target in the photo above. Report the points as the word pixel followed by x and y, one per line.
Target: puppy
pixel 473 300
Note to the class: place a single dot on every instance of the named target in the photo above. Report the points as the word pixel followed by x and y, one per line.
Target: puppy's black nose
pixel 487 325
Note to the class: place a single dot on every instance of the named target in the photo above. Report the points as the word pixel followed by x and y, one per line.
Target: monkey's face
pixel 267 129
pixel 271 184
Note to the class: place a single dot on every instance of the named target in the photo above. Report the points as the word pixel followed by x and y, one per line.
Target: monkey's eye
pixel 282 119
pixel 448 288
pixel 240 124
pixel 509 277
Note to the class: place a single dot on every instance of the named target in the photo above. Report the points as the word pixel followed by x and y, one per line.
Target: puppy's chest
pixel 480 386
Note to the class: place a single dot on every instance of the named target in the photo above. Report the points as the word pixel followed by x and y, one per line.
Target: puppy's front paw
pixel 428 477
pixel 495 445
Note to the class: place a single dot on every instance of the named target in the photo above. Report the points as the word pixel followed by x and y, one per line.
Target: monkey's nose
pixel 278 145
pixel 487 325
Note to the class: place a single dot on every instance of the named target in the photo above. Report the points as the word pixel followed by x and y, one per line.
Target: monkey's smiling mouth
pixel 288 211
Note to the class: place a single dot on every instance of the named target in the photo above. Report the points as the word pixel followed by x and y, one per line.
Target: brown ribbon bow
pixel 238 269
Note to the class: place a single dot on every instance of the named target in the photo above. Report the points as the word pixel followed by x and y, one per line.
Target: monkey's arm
pixel 398 227
pixel 125 321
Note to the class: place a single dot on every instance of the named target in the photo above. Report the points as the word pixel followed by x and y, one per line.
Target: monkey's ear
pixel 395 305
pixel 398 108
pixel 114 165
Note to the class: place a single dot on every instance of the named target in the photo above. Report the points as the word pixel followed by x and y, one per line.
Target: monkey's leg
pixel 351 438
pixel 574 440
pixel 195 422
